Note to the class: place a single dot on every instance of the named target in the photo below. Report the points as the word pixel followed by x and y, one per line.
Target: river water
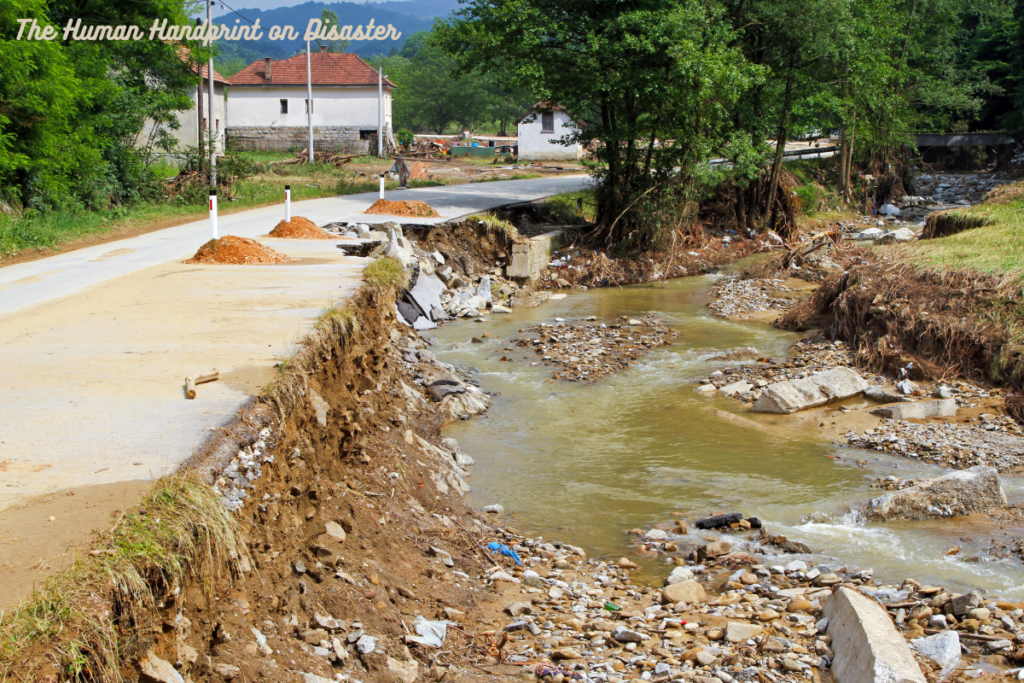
pixel 585 463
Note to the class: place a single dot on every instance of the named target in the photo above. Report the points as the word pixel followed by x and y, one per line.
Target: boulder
pixel 890 210
pixel 921 410
pixel 718 548
pixel 678 575
pixel 903 235
pixel 717 521
pixel 957 493
pixel 867 647
pixel 869 234
pixel 799 394
pixel 689 591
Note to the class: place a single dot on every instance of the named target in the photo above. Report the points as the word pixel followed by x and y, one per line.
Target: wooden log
pixel 212 377
pixel 190 387
pixel 191 382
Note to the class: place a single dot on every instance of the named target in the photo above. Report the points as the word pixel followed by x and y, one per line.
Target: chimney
pixel 266 68
pixel 323 48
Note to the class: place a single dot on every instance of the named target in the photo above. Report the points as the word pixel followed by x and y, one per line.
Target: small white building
pixel 267 107
pixel 540 131
pixel 191 120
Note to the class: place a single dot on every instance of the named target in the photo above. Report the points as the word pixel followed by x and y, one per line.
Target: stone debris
pixel 743 298
pixel 977 489
pixel 587 352
pixel 945 407
pixel 994 440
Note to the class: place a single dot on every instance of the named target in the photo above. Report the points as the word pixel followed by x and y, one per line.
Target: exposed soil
pixel 410 208
pixel 470 246
pixel 299 228
pixel 237 251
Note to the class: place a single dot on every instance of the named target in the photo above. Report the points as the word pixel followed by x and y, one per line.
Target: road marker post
pixel 287 203
pixel 382 187
pixel 213 212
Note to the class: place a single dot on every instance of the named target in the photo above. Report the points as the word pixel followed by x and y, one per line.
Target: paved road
pixel 31 283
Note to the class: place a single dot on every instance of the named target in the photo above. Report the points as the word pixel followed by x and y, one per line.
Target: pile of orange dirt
pixel 299 228
pixel 236 250
pixel 410 208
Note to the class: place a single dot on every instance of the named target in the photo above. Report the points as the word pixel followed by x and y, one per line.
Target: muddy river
pixel 586 463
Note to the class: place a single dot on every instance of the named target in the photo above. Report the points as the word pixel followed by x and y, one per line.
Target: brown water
pixel 585 463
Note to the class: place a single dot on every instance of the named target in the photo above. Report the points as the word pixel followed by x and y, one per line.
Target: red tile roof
pixel 186 55
pixel 328 68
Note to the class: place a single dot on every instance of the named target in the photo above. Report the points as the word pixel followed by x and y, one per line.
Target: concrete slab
pixel 867 647
pixel 921 410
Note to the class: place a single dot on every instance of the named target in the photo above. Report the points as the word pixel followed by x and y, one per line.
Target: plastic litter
pixel 503 549
pixel 550 671
pixel 431 633
pixel 612 607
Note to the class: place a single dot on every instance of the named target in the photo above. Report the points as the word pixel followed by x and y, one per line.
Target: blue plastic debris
pixel 503 549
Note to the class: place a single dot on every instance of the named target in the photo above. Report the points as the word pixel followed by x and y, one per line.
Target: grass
pixel 385 273
pixel 997 247
pixel 514 176
pixel 497 225
pixel 181 529
pixel 564 208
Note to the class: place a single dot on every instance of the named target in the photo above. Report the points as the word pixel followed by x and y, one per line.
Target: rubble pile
pixel 587 352
pixel 950 189
pixel 993 440
pixel 741 299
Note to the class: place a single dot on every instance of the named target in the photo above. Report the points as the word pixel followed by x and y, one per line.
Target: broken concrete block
pixel 427 293
pixel 530 257
pixel 740 631
pixel 799 394
pixel 867 647
pixel 945 407
pixel 957 493
pixel 736 388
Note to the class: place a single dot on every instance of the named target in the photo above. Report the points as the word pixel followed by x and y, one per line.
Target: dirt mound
pixel 299 228
pixel 236 250
pixel 410 208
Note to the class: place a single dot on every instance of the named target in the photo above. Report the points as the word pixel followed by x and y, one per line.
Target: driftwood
pixel 191 382
pixel 318 158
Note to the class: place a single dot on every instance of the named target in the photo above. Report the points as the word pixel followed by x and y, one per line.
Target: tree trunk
pixel 780 148
pixel 741 208
pixel 844 179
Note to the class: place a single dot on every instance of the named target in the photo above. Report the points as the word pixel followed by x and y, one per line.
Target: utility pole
pixel 309 99
pixel 380 111
pixel 213 136
pixel 199 111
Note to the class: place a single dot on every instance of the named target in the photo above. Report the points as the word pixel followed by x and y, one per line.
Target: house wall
pixel 537 146
pixel 255 120
pixel 188 123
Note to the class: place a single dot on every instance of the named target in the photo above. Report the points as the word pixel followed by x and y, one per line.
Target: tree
pixel 651 83
pixel 329 19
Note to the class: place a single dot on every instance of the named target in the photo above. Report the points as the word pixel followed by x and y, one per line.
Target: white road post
pixel 287 203
pixel 309 100
pixel 213 134
pixel 213 212
pixel 382 186
pixel 380 115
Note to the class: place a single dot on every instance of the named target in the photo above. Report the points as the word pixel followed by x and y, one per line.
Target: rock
pixel 718 521
pixel 799 604
pixel 320 407
pixel 867 647
pixel 999 645
pixel 678 575
pixel 688 591
pixel 516 608
pixel 156 670
pixel 228 672
pixel 740 353
pixel 496 308
pixel 962 604
pixel 882 396
pixel 366 644
pixel 790 396
pixel 869 234
pixel 494 509
pixel 335 531
pixel 483 289
pixel 706 389
pixel 405 672
pixel 903 235
pixel 313 678
pixel 705 658
pixel 624 635
pixel 890 210
pixel 957 493
pixel 768 615
pixel 736 388
pixel 906 387
pixel 327 623
pixel 980 613
pixel 942 648
pixel 565 653
pixel 741 631
pixel 945 407
pixel 399 248
pixel 656 535
pixel 718 548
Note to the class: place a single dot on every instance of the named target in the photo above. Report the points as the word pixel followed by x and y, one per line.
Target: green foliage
pixel 405 136
pixel 330 19
pixel 385 273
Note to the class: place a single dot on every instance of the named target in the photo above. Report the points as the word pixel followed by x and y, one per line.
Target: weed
pixel 573 208
pixel 385 273
pixel 496 225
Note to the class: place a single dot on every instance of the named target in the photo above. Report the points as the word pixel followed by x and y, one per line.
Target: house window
pixel 284 106
pixel 307 107
pixel 547 122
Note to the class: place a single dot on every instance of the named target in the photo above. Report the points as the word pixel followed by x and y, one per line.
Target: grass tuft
pixel 386 273
pixel 566 208
pixel 496 225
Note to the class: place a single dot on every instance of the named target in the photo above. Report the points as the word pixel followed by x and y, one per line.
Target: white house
pixel 540 131
pixel 266 103
pixel 191 121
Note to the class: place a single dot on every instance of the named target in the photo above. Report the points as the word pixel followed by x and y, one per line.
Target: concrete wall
pixel 531 257
pixel 283 138
pixel 187 133
pixel 537 146
pixel 260 106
